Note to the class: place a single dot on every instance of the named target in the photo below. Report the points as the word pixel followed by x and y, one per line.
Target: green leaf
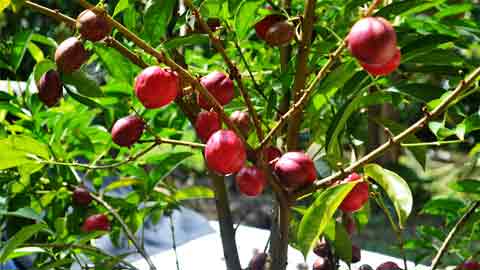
pixel 19 238
pixel 16 151
pixel 342 243
pixel 17 5
pixel 407 7
pixel 194 192
pixel 121 6
pixel 25 212
pixel 84 85
pixel 24 251
pixel 36 52
pixel 443 207
pixel 112 59
pixel 164 163
pixel 190 40
pixel 245 17
pixel 319 215
pixel 468 125
pixel 41 68
pixel 396 188
pixel 453 10
pixel 4 4
pixel 466 186
pixel 439 129
pixel 38 38
pixel 158 14
pixel 420 91
pixel 83 99
pixel 20 44
pixel 122 182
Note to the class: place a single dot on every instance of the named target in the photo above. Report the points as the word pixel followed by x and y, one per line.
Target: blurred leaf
pixel 396 188
pixel 84 85
pixel 453 10
pixel 195 192
pixel 319 215
pixel 82 99
pixel 15 151
pixel 25 212
pixel 4 4
pixel 245 17
pixel 163 165
pixel 193 39
pixel 341 241
pixel 19 238
pixel 158 14
pixel 436 57
pixel 24 251
pixel 17 5
pixel 36 52
pixel 121 6
pixel 466 186
pixel 112 59
pixel 20 44
pixel 38 38
pixel 407 7
pixel 420 91
pixel 122 182
pixel 468 125
pixel 443 207
pixel 41 68
pixel 439 129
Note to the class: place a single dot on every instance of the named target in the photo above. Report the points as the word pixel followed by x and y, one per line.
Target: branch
pixel 462 85
pixel 174 142
pixel 452 233
pixel 231 66
pixel 134 58
pixel 52 13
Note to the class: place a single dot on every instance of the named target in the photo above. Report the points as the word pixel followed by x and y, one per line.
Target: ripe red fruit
pixel 383 69
pixel 469 265
pixel 156 87
pixel 280 33
pixel 262 26
pixel 93 26
pixel 50 88
pixel 81 196
pixel 295 169
pixel 70 55
pixel 98 222
pixel 357 197
pixel 258 261
pixel 206 124
pixel 388 266
pixel 219 85
pixel 251 181
pixel 242 120
pixel 322 263
pixel 127 130
pixel 372 40
pixel 356 254
pixel 271 153
pixel 225 153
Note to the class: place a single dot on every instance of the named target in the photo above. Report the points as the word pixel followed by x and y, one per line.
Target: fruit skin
pixel 70 55
pixel 372 40
pixel 258 261
pixel 388 266
pixel 220 86
pixel 356 254
pixel 127 130
pixel 156 87
pixel 242 120
pixel 365 267
pixel 251 181
pixel 98 222
pixel 225 153
pixel 50 88
pixel 469 265
pixel 271 153
pixel 262 26
pixel 349 223
pixel 93 26
pixel 357 197
pixel 322 248
pixel 81 196
pixel 280 33
pixel 295 169
pixel 206 124
pixel 384 69
pixel 322 263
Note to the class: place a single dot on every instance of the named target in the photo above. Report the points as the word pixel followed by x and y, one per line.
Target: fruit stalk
pixel 452 233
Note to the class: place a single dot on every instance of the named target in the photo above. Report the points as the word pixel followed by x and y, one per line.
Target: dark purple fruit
pixel 70 55
pixel 258 261
pixel 322 248
pixel 356 254
pixel 126 131
pixel 81 196
pixel 50 88
pixel 280 33
pixel 93 26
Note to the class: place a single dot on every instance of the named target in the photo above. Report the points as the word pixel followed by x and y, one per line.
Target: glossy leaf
pixel 245 17
pixel 19 238
pixel 20 44
pixel 24 251
pixel 194 192
pixel 83 84
pixel 157 16
pixel 17 150
pixel 41 68
pixel 121 6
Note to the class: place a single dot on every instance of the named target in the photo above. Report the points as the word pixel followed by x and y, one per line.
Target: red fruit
pixel 206 124
pixel 295 169
pixel 98 222
pixel 250 181
pixel 81 196
pixel 280 33
pixel 383 69
pixel 156 87
pixel 225 153
pixel 70 55
pixel 357 197
pixel 271 153
pixel 93 26
pixel 127 130
pixel 388 266
pixel 50 88
pixel 349 223
pixel 469 265
pixel 356 254
pixel 242 120
pixel 322 263
pixel 258 261
pixel 262 26
pixel 220 86
pixel 372 40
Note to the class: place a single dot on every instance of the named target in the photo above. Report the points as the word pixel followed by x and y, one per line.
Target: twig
pixel 51 13
pixel 113 43
pixel 439 143
pixel 452 233
pixel 174 242
pixel 462 85
pixel 174 142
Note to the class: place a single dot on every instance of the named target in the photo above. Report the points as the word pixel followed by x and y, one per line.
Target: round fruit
pixel 469 265
pixel 295 169
pixel 251 181
pixel 225 153
pixel 206 124
pixel 356 254
pixel 357 197
pixel 98 222
pixel 81 196
pixel 258 261
pixel 70 55
pixel 383 69
pixel 372 40
pixel 388 266
pixel 322 248
pixel 365 267
pixel 322 263
pixel 280 33
pixel 241 120
pixel 271 154
pixel 93 26
pixel 127 130
pixel 50 88
pixel 262 26
pixel 156 87
pixel 220 86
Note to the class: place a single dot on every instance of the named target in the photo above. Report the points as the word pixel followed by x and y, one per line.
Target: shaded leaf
pixel 19 238
pixel 20 44
pixel 25 212
pixel 157 17
pixel 193 39
pixel 245 17
pixel 84 85
pixel 164 164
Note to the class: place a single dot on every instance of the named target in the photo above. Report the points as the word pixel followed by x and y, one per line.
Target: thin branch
pixel 452 233
pixel 51 13
pixel 174 242
pixel 233 69
pixel 462 85
pixel 439 143
pixel 113 43
pixel 174 142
